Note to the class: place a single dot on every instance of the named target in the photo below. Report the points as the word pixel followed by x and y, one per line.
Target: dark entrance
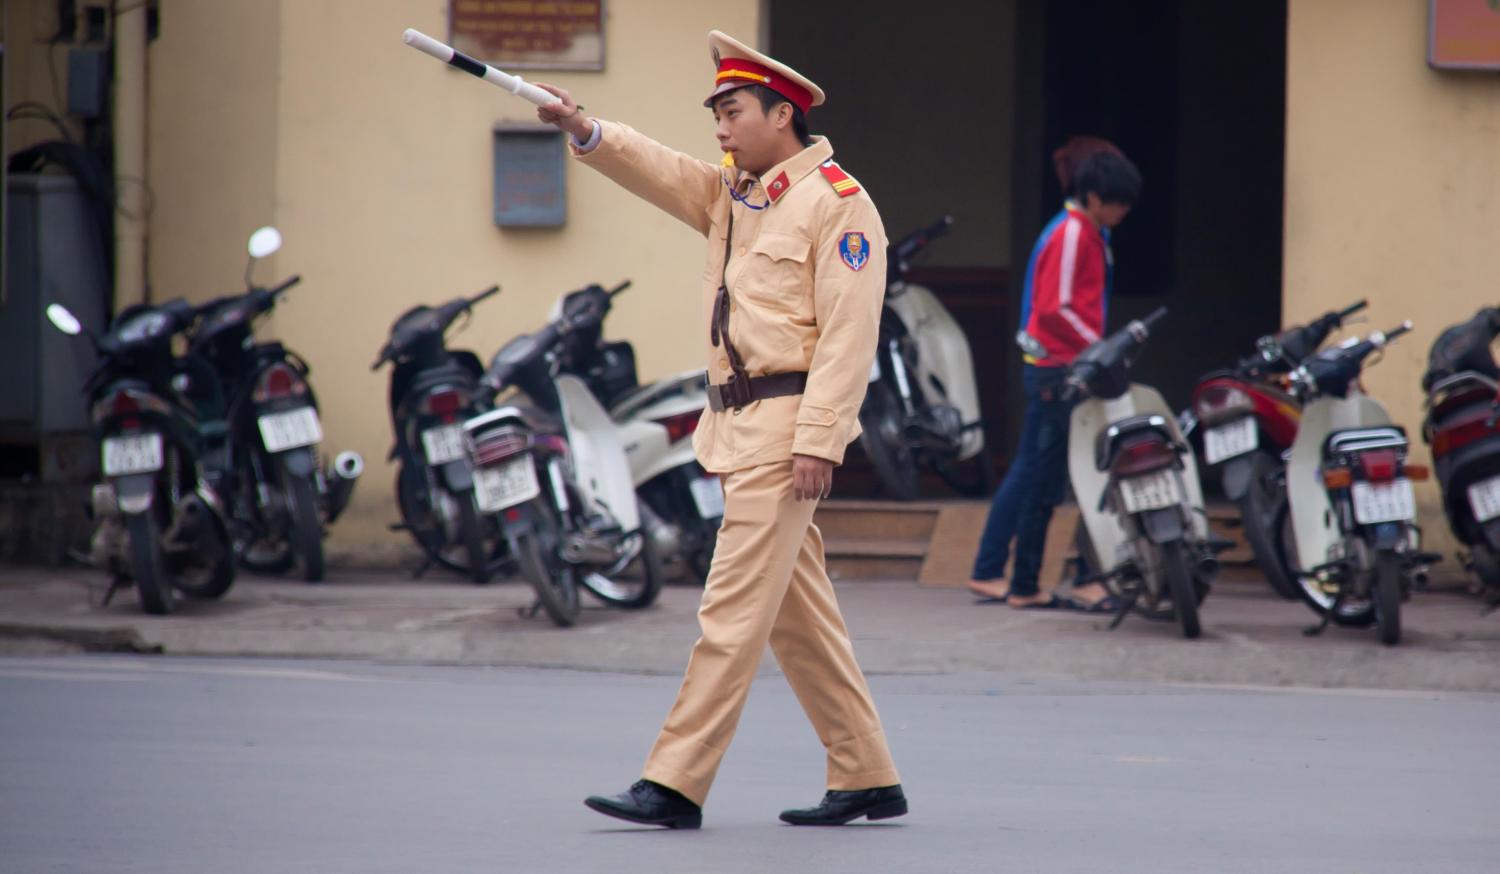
pixel 956 107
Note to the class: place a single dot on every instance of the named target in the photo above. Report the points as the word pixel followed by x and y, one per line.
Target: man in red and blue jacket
pixel 1066 293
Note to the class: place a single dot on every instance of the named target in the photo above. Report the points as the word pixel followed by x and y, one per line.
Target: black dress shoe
pixel 649 803
pixel 839 808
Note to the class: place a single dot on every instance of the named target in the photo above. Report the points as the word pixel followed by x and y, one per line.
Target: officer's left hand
pixel 812 477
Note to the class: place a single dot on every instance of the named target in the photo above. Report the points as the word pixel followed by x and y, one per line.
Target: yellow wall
pixel 1392 190
pixel 375 163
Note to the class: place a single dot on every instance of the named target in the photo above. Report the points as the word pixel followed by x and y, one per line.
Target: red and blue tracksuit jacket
pixel 1067 289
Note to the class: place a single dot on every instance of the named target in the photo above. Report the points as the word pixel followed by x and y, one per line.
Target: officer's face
pixel 749 132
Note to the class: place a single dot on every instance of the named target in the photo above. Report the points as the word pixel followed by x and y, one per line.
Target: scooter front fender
pixel 1235 475
pixel 299 461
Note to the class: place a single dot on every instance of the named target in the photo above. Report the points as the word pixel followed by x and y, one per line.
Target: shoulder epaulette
pixel 841 181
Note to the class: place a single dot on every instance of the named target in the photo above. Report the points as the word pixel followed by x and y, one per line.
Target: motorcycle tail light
pixel 127 403
pixel 277 382
pixel 1143 457
pixel 1380 465
pixel 680 426
pixel 494 447
pixel 1338 478
pixel 444 402
pixel 1418 472
pixel 1216 400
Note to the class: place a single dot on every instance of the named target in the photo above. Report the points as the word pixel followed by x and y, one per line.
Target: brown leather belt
pixel 738 392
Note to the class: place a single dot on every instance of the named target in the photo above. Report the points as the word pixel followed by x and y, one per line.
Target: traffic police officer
pixel 792 295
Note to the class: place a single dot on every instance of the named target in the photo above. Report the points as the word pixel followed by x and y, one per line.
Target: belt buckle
pixel 737 392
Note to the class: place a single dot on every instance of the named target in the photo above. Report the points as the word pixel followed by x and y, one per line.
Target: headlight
pixel 144 327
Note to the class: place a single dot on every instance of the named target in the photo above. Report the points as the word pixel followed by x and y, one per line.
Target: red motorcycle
pixel 1246 420
pixel 1463 428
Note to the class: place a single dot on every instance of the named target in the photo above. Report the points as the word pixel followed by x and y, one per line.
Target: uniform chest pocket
pixel 777 269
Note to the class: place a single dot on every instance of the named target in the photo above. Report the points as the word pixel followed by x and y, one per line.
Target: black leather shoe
pixel 840 808
pixel 649 803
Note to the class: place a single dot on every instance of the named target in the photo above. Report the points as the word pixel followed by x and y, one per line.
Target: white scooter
pixel 1137 486
pixel 922 407
pixel 550 465
pixel 684 505
pixel 1350 534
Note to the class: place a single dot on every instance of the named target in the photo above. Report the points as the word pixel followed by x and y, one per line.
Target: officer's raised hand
pixel 812 477
pixel 565 113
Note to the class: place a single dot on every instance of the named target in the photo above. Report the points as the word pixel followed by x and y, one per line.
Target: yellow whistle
pixel 728 160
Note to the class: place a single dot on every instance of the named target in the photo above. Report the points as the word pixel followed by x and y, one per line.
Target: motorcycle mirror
pixel 63 320
pixel 264 242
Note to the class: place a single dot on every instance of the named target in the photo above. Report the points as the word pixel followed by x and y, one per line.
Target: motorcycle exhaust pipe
pixel 1208 567
pixel 341 477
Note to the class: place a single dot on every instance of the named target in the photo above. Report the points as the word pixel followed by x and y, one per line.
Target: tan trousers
pixel 768 583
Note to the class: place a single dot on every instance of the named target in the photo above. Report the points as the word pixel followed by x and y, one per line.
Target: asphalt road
pixel 119 763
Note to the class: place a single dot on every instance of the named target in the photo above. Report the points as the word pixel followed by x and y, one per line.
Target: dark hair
pixel 769 100
pixel 1108 174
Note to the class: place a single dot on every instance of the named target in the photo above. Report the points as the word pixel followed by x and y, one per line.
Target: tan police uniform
pixel 792 292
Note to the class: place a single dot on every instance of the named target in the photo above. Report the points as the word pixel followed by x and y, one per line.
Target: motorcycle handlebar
pixel 487 293
pixel 619 288
pixel 1353 308
pixel 275 292
pixel 1397 331
pixel 1156 315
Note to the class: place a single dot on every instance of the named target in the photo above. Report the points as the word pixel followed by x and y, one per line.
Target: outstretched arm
pixel 679 184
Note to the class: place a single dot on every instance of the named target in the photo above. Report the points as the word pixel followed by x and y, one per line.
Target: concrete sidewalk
pixel 1250 637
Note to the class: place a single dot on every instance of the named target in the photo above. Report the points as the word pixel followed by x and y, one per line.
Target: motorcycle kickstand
pixel 116 583
pixel 1126 606
pixel 529 612
pixel 421 569
pixel 1315 630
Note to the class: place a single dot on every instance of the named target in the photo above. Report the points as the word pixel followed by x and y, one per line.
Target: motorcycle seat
pixel 1107 445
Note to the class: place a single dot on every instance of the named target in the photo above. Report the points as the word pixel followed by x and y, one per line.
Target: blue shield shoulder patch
pixel 854 249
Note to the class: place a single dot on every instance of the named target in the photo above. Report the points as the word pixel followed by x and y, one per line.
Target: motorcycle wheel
pixel 555 581
pixel 148 566
pixel 1182 586
pixel 421 521
pixel 471 531
pixel 1258 510
pixel 894 463
pixel 1359 614
pixel 1387 594
pixel 307 529
pixel 644 573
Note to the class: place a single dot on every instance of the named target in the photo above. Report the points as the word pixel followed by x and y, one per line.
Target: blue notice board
pixel 529 187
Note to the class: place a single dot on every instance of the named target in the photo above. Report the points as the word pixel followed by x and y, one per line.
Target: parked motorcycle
pixel 1463 428
pixel 551 468
pixel 1137 486
pixel 264 462
pixel 158 522
pixel 656 422
pixel 1248 421
pixel 1350 535
pixel 433 391
pixel 922 406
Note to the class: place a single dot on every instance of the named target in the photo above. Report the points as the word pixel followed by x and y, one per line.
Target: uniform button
pixel 742 250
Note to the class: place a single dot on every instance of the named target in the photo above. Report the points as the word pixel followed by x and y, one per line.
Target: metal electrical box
pixel 52 255
pixel 529 189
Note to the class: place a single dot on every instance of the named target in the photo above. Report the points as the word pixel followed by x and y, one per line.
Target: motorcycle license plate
pixel 1224 442
pixel 1154 491
pixel 138 453
pixel 506 485
pixel 1384 502
pixel 443 444
pixel 708 494
pixel 289 430
pixel 1484 499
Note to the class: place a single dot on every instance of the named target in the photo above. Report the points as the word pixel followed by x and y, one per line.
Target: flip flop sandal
pixel 1052 603
pixel 990 599
pixel 1107 604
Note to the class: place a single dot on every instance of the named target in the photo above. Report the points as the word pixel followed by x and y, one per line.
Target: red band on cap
pixel 751 73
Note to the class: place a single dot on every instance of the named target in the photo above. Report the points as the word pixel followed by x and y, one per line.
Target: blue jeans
pixel 1034 484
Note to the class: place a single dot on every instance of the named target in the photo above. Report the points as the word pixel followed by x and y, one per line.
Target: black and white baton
pixel 455 58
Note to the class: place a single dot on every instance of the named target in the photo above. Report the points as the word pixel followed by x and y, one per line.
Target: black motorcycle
pixel 1463 428
pixel 433 390
pixel 267 462
pixel 159 523
pixel 922 406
